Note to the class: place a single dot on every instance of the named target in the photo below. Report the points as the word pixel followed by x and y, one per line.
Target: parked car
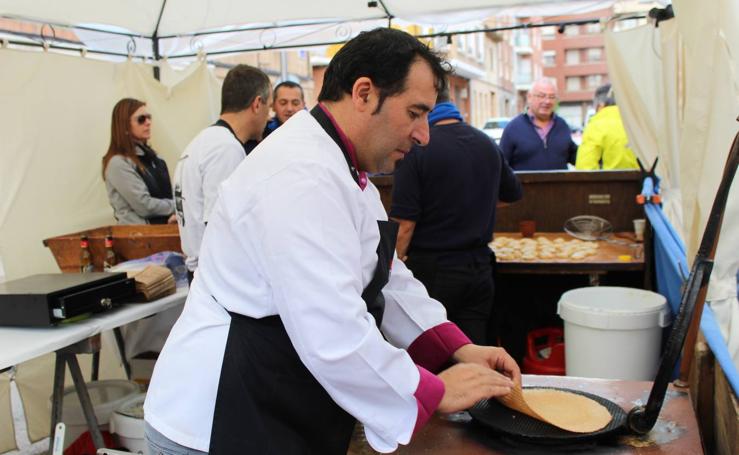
pixel 576 133
pixel 494 127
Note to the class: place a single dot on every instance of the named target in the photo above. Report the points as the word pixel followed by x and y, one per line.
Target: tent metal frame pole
pixel 155 42
pixel 428 35
pixel 155 38
pixel 79 50
pixel 268 27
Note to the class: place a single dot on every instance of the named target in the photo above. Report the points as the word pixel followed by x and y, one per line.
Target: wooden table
pixel 675 433
pixel 610 257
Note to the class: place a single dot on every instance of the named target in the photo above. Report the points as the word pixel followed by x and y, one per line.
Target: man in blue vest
pixel 539 139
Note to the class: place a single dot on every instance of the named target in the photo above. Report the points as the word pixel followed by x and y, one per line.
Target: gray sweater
pixel 128 194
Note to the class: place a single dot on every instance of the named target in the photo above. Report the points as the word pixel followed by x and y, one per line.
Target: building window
pixel 592 29
pixel 440 43
pixel 572 56
pixel 524 73
pixel 480 47
pixel 471 45
pixel 595 80
pixel 548 32
pixel 595 54
pixel 523 39
pixel 572 30
pixel 573 83
pixel 548 58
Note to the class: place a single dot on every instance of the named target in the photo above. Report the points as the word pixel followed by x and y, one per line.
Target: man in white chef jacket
pixel 216 151
pixel 280 347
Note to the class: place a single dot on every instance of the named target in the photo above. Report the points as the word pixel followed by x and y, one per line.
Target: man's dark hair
pixel 242 85
pixel 385 56
pixel 289 84
pixel 604 95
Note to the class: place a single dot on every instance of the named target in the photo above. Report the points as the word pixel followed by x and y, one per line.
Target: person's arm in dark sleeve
pixel 572 153
pixel 506 144
pixel 510 189
pixel 406 206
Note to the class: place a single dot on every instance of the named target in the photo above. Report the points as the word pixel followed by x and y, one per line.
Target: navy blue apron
pixel 268 403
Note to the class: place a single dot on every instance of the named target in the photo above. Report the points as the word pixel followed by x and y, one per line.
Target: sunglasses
pixel 141 119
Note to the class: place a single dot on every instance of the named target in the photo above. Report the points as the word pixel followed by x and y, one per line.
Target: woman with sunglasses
pixel 137 180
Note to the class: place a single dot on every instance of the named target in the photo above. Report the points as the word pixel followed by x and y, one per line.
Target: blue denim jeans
pixel 161 445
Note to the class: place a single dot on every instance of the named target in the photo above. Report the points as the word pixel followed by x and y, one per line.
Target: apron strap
pixel 372 294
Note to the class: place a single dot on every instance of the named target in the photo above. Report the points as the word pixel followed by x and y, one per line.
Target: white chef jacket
pixel 293 234
pixel 206 162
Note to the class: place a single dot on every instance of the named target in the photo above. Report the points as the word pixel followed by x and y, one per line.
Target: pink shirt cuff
pixel 434 347
pixel 428 395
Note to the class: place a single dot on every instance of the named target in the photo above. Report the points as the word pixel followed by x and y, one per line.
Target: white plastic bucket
pixel 106 396
pixel 127 424
pixel 613 332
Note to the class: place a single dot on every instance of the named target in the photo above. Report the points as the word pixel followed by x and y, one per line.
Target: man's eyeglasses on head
pixel 141 119
pixel 542 96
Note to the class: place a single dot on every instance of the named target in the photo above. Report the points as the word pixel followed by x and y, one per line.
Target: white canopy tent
pixel 182 28
pixel 678 88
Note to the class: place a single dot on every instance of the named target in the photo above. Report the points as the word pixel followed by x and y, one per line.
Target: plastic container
pixel 127 423
pixel 106 396
pixel 613 332
pixel 545 352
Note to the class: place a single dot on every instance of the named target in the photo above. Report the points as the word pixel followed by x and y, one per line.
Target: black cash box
pixel 46 299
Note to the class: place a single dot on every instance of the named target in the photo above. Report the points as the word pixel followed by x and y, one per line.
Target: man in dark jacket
pixel 444 197
pixel 539 139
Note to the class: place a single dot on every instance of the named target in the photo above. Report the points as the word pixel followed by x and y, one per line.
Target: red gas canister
pixel 545 352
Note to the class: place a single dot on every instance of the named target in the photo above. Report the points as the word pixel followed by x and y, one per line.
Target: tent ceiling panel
pixel 137 16
pixel 190 16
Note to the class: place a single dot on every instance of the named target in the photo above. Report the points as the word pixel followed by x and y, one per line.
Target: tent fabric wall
pixel 55 125
pixel 647 94
pixel 680 102
pixel 55 128
pixel 7 430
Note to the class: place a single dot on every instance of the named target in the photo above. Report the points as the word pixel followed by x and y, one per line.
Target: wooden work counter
pixel 676 431
pixel 610 256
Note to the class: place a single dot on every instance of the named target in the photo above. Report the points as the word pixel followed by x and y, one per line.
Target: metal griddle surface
pixel 501 419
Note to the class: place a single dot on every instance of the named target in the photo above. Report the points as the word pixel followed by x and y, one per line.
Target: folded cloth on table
pixel 154 282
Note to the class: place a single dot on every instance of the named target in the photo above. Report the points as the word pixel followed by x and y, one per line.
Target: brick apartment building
pixel 576 59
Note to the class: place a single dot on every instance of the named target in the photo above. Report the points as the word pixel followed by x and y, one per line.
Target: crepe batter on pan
pixel 565 410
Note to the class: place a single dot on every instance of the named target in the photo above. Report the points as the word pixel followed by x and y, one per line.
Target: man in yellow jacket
pixel 604 141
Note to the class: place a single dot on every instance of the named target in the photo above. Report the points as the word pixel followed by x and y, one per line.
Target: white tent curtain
pixel 678 88
pixel 55 128
pixel 55 125
pixel 7 429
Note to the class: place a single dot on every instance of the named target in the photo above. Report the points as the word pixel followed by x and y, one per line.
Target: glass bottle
pixel 85 256
pixel 109 260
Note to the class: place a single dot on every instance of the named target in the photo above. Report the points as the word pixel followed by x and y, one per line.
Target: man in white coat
pixel 216 151
pixel 301 320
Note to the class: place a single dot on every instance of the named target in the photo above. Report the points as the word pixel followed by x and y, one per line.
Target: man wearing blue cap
pixel 444 197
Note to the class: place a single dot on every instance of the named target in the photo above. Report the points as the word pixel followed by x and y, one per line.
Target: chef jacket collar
pixel 319 113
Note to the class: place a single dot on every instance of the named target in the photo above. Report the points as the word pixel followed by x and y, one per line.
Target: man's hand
pixel 491 357
pixel 467 383
pixel 172 219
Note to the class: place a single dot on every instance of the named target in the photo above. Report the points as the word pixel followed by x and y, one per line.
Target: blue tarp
pixel 672 271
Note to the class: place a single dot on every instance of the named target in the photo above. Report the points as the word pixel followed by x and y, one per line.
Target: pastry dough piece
pixel 541 247
pixel 566 410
